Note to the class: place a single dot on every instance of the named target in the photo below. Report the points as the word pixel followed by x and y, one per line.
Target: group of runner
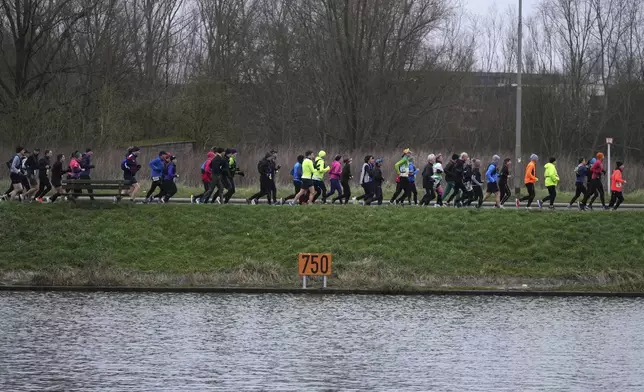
pixel 460 182
pixel 461 175
pixel 33 176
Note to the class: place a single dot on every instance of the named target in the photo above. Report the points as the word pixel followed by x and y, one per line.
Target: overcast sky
pixel 482 6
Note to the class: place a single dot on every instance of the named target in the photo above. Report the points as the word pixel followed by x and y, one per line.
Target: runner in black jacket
pixel 264 168
pixel 218 167
pixel 44 165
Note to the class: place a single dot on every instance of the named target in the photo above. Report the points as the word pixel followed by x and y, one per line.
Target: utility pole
pixel 518 170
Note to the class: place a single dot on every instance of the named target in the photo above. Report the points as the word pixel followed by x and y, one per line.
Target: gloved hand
pixel 278 167
pixel 241 173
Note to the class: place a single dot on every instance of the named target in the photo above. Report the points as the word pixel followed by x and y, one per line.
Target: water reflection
pixel 182 342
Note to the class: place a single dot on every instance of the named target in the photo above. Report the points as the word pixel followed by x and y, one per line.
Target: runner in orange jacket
pixel 529 180
pixel 616 186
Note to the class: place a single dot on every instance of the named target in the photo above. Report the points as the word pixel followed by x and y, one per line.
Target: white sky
pixel 482 6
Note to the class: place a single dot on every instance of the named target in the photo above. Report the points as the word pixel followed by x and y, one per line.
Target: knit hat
pixel 454 157
pixel 380 160
pixel 322 154
pixel 534 157
pixel 619 164
pixel 600 155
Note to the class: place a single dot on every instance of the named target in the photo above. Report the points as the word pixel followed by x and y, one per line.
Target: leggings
pixel 320 190
pixel 478 195
pixel 273 189
pixel 399 189
pixel 153 187
pixel 346 192
pixel 531 194
pixel 596 188
pixel 216 182
pixel 206 184
pixel 229 183
pixel 406 186
pixel 505 191
pixel 429 195
pixel 376 196
pixel 580 190
pixel 168 189
pixel 552 195
pixel 616 198
pixel 264 189
pixel 368 191
pixel 44 187
pixel 297 185
pixel 414 192
pixel 335 186
pixel 458 187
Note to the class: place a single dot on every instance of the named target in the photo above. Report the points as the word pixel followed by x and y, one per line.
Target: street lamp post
pixel 518 169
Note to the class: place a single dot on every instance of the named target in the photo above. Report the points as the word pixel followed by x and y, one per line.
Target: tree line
pixel 356 73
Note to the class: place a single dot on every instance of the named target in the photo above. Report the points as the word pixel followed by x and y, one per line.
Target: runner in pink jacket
pixel 334 174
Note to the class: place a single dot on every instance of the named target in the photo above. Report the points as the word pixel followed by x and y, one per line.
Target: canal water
pixel 231 342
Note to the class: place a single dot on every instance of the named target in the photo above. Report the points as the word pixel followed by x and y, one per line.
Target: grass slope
pixel 372 247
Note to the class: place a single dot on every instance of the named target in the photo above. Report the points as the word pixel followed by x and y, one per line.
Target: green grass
pixel 372 247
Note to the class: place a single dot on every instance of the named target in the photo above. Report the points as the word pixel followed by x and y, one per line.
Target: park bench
pixel 79 188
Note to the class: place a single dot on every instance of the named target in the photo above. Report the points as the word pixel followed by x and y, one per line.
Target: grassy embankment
pixel 406 248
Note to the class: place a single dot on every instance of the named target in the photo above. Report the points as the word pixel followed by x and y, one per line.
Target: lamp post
pixel 518 168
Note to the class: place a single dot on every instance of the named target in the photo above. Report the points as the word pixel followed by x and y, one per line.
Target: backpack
pixel 203 167
pixel 124 164
pixel 9 163
pixel 317 164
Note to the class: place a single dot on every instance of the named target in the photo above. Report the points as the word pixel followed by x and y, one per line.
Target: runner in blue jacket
pixel 157 166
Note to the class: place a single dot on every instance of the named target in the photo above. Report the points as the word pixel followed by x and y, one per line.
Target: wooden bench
pixel 76 187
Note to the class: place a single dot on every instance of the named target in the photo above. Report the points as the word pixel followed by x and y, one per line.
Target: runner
pixel 477 183
pixel 457 171
pixel 616 186
pixel 504 186
pixel 168 186
pixel 413 171
pixel 551 180
pixel 335 174
pixel 529 180
pixel 596 185
pixel 16 174
pixel 307 179
pixel 402 171
pixel 467 197
pixel 492 177
pixel 157 165
pixel 75 171
pixel 449 175
pixel 206 178
pixel 296 173
pixel 318 176
pixel 234 171
pixel 57 172
pixel 30 166
pixel 437 177
pixel 366 179
pixel 377 183
pixel 581 172
pixel 428 181
pixel 87 166
pixel 344 180
pixel 44 164
pixel 130 167
pixel 274 169
pixel 219 170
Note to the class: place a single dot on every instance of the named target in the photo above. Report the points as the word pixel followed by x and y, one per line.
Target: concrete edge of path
pixel 319 291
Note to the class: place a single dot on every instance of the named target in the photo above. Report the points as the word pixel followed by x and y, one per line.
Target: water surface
pixel 230 342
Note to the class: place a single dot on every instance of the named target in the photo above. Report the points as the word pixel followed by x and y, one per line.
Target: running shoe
pixel 517 203
pixel 218 200
pixel 540 204
pixel 253 202
pixel 192 199
pixel 569 206
pixel 353 200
